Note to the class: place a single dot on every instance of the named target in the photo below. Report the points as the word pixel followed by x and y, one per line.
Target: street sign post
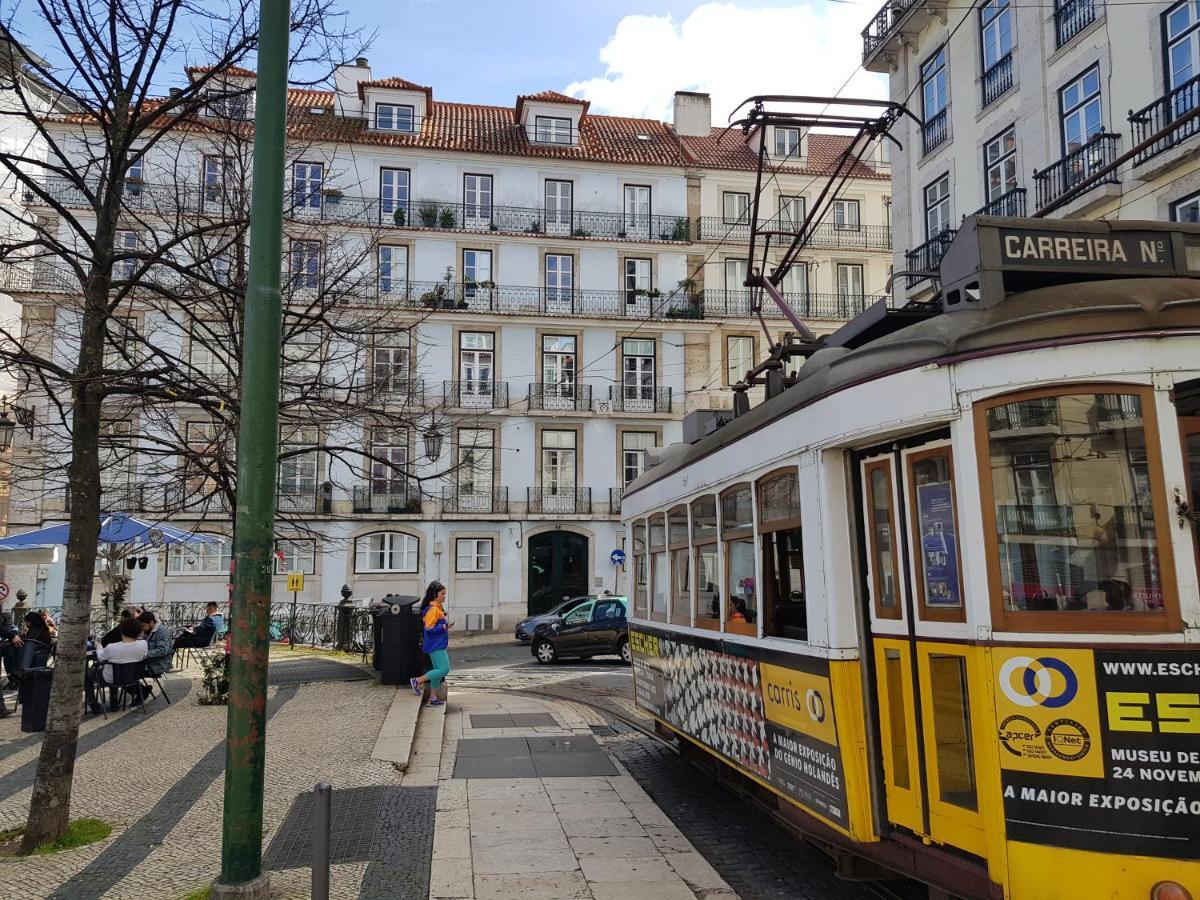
pixel 3 591
pixel 617 557
pixel 295 584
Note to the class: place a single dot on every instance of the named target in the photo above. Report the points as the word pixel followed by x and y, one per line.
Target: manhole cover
pixel 604 731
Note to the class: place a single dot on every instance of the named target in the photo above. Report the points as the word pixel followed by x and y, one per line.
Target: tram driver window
pixel 737 536
pixel 1078 510
pixel 640 570
pixel 785 613
pixel 704 553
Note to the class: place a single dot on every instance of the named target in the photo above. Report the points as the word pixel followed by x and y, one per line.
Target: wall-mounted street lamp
pixel 10 418
pixel 433 444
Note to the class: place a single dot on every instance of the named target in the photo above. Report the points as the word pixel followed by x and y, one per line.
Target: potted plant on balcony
pixel 428 214
pixel 432 299
pixel 333 196
pixel 399 216
pixel 535 227
pixel 581 233
pixel 446 218
pixel 679 231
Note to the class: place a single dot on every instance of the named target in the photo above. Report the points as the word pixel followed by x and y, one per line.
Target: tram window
pixel 952 731
pixel 681 585
pixel 704 561
pixel 737 535
pixel 785 613
pixel 935 535
pixel 897 718
pixel 881 531
pixel 640 569
pixel 659 573
pixel 1077 509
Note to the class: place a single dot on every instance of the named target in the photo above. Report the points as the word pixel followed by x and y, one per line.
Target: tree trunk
pixel 50 805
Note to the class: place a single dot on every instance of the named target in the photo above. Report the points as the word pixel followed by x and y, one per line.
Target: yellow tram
pixel 937 595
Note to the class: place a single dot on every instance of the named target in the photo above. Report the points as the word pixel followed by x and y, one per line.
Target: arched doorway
pixel 558 568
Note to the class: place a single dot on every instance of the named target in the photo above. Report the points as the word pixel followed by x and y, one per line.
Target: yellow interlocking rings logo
pixel 1035 685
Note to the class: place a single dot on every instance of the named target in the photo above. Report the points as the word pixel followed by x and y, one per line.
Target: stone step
pixel 395 740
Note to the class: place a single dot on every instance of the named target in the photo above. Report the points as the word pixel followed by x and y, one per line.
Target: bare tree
pixel 105 73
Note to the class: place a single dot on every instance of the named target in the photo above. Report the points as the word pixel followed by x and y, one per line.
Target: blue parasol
pixel 116 528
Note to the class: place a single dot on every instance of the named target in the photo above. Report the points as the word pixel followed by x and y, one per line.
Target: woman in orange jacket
pixel 437 640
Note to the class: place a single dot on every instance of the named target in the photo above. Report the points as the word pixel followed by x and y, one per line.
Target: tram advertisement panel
pixel 1100 750
pixel 774 720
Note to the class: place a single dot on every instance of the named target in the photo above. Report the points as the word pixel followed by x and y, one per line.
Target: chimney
pixel 345 81
pixel 692 114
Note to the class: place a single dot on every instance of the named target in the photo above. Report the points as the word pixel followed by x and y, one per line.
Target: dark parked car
pixel 598 627
pixel 527 628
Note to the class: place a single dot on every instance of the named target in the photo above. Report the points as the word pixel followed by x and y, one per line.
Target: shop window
pixel 737 536
pixel 785 613
pixel 1076 512
pixel 704 559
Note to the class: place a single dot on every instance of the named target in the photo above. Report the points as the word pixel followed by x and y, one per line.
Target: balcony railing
pixel 384 496
pixel 639 399
pixel 935 131
pixel 827 234
pixel 299 499
pixel 1010 203
pixel 928 256
pixel 1025 414
pixel 1133 522
pixel 1076 167
pixel 614 500
pixel 471 500
pixel 394 391
pixel 333 206
pixel 505 299
pixel 1160 114
pixel 825 307
pixel 1036 519
pixel 879 29
pixel 1071 17
pixel 998 79
pixel 560 501
pixel 1118 408
pixel 561 396
pixel 491 394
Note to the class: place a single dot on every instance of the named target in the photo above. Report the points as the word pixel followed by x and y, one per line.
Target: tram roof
pixel 1062 313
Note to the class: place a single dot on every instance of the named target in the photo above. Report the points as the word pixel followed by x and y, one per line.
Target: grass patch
pixel 79 833
pixel 202 894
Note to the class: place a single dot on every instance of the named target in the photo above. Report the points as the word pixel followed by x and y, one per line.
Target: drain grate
pixel 604 731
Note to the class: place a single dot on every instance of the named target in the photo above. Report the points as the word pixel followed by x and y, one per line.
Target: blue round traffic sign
pixel 618 557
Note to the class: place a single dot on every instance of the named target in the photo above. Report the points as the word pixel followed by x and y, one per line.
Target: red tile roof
pixel 549 97
pixel 397 84
pixel 728 149
pixel 236 71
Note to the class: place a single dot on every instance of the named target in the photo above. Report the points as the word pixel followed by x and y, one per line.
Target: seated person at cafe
pixel 130 649
pixel 202 635
pixel 36 628
pixel 114 634
pixel 10 645
pixel 158 645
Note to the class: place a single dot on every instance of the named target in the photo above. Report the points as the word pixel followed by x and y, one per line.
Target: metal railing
pixel 1036 519
pixel 1071 17
pixel 928 256
pixel 561 396
pixel 1151 119
pixel 826 307
pixel 464 501
pixel 1073 169
pixel 998 79
pixel 879 29
pixel 396 497
pixel 827 234
pixel 560 501
pixel 639 399
pixel 393 391
pixel 1118 408
pixel 1133 522
pixel 614 500
pixel 1010 203
pixel 505 299
pixel 935 131
pixel 303 500
pixel 1041 413
pixel 491 394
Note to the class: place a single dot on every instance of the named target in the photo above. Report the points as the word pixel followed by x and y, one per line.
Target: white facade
pixel 1024 102
pixel 556 274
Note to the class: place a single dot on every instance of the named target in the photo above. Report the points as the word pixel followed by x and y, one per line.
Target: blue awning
pixel 116 528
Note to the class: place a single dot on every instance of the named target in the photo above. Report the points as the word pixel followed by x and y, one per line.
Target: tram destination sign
pixel 1100 750
pixel 1118 252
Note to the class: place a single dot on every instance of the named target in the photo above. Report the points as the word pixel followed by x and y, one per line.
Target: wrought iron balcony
pixel 560 501
pixel 1010 203
pixel 639 399
pixel 614 500
pixel 1024 415
pixel 821 307
pixel 935 131
pixel 477 394
pixel 1076 167
pixel 998 79
pixel 928 256
pixel 464 500
pixel 1036 519
pixel 1071 17
pixel 884 24
pixel 387 496
pixel 393 391
pixel 1162 113
pixel 1119 408
pixel 565 395
pixel 302 499
pixel 859 237
pixel 1133 522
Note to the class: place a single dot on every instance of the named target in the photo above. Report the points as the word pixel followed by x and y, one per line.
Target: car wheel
pixel 545 652
pixel 623 649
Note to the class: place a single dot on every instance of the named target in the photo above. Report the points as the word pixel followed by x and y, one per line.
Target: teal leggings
pixel 441 668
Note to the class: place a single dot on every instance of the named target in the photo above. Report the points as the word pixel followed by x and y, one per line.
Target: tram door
pixel 923 698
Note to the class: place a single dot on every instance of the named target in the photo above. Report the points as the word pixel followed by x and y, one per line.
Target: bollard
pixel 322 811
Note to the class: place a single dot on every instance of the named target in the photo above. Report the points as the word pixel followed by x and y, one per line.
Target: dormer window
pixel 552 130
pixel 233 106
pixel 394 117
pixel 787 142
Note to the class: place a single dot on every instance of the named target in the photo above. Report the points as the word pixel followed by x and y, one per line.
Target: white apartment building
pixel 570 288
pixel 1023 102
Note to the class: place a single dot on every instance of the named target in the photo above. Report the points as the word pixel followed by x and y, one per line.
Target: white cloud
pixel 732 53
